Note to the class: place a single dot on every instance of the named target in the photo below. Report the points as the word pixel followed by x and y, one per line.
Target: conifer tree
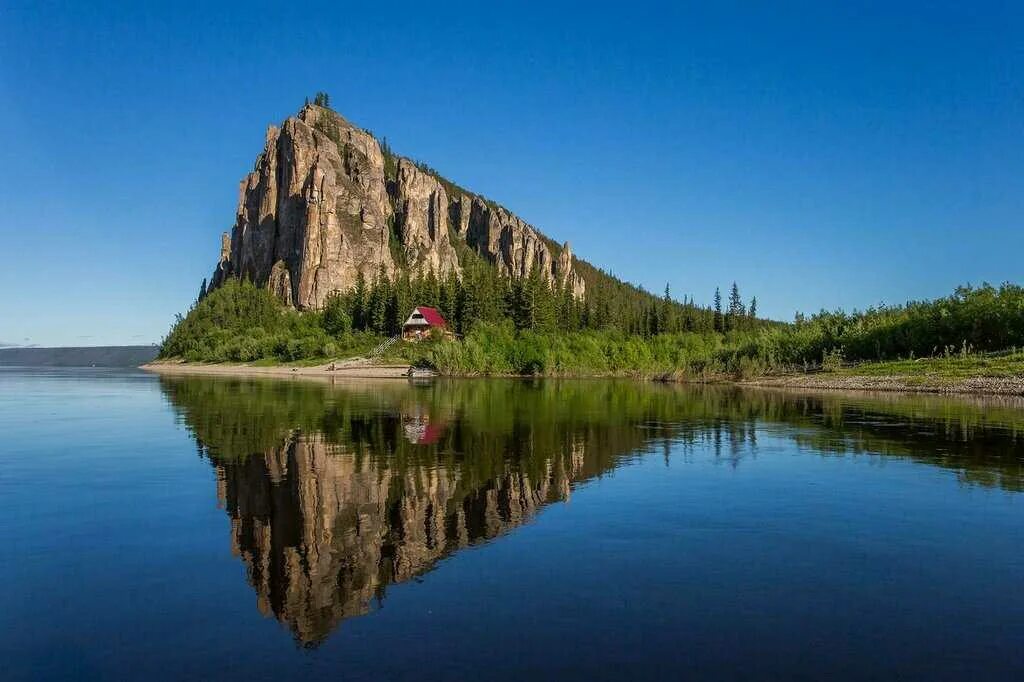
pixel 736 311
pixel 719 327
pixel 359 303
pixel 380 296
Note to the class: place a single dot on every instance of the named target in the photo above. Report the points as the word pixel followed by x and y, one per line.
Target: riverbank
pixel 977 385
pixel 351 369
pixel 940 375
pixel 974 374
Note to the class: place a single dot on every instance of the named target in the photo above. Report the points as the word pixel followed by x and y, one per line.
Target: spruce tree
pixel 719 326
pixel 735 312
pixel 358 307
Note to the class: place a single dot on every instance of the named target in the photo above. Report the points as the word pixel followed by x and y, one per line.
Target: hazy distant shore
pixel 78 356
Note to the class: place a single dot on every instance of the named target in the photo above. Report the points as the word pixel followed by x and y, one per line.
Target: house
pixel 421 322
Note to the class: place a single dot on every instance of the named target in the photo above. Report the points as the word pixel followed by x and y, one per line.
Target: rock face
pixel 314 213
pixel 423 212
pixel 323 204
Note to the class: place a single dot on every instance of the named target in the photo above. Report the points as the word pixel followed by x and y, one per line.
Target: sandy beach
pixel 356 369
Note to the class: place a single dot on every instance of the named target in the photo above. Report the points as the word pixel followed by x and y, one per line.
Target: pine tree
pixel 336 320
pixel 669 313
pixel 358 306
pixel 752 311
pixel 736 311
pixel 448 303
pixel 719 327
pixel 401 303
pixel 380 296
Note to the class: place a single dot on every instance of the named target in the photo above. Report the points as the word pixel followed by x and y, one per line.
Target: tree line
pixel 528 327
pixel 533 303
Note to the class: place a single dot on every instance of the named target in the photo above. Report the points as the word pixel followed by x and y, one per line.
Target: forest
pixel 526 326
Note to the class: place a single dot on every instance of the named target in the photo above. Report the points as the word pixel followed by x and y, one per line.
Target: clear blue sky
pixel 819 156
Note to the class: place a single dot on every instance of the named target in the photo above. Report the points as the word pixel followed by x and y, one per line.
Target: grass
pixel 952 367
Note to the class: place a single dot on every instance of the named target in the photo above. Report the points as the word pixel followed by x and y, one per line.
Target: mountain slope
pixel 325 203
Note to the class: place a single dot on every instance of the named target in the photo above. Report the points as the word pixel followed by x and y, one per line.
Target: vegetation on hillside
pixel 240 322
pixel 525 327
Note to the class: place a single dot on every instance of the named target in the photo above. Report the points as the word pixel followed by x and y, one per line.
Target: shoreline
pixel 362 369
pixel 895 383
pixel 342 370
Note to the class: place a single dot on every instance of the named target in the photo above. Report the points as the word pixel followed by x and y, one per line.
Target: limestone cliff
pixel 325 203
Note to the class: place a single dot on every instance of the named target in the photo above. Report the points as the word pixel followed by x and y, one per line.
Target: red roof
pixel 432 317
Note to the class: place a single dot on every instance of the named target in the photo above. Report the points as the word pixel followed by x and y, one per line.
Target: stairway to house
pixel 384 345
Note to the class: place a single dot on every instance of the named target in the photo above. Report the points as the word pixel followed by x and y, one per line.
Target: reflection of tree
pixel 331 500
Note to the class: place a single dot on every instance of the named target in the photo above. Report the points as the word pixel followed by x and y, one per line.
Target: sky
pixel 821 156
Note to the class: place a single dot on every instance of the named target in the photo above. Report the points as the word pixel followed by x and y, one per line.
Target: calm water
pixel 192 527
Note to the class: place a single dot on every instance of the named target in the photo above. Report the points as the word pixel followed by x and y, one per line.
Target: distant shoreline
pixel 77 356
pixel 361 369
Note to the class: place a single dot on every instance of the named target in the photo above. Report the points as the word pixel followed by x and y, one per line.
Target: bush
pixel 336 320
pixel 239 322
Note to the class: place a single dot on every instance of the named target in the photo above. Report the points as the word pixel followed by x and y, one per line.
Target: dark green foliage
pixel 971 319
pixel 336 318
pixel 526 327
pixel 239 322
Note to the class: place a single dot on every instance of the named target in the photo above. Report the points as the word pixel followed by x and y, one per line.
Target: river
pixel 191 527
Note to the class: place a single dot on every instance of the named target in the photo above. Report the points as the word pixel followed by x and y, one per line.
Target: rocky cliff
pixel 325 203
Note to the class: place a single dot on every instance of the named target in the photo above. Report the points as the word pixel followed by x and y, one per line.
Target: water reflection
pixel 334 493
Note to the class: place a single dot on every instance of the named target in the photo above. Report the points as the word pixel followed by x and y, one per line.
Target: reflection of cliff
pixel 334 493
pixel 323 531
